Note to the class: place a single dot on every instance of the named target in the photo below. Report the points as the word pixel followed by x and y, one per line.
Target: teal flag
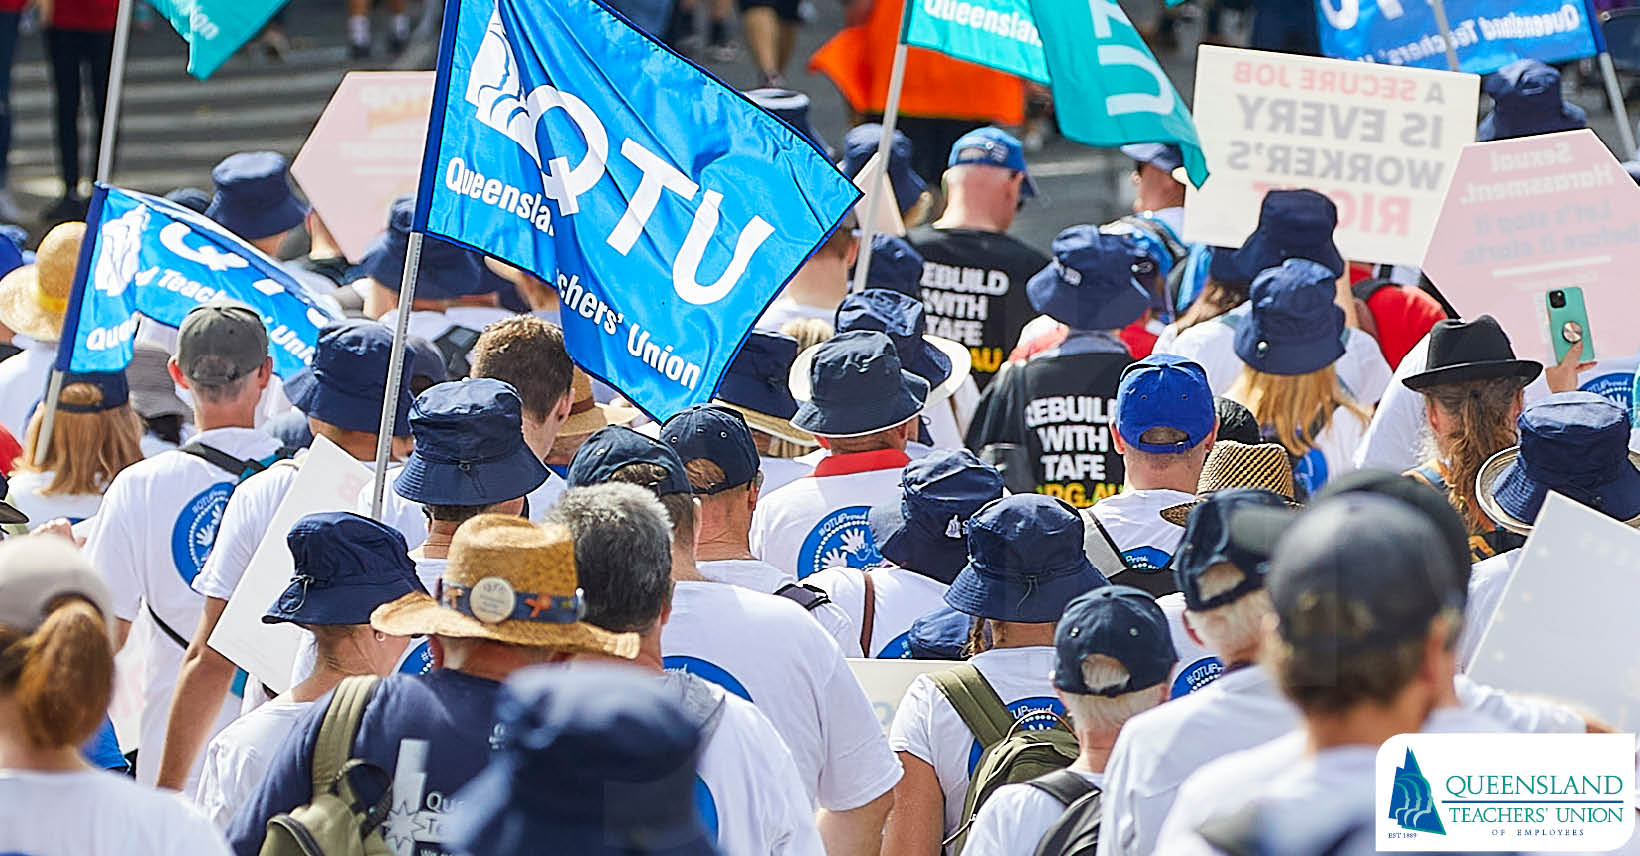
pixel 215 29
pixel 995 33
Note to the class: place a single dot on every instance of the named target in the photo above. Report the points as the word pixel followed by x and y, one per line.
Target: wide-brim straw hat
pixel 508 580
pixel 34 298
pixel 587 415
pixel 774 426
pixel 1266 466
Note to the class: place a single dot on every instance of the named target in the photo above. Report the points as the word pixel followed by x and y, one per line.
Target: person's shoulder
pixel 746 605
pixel 834 578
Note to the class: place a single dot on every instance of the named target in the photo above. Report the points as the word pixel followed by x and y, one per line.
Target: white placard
pixel 885 681
pixel 330 480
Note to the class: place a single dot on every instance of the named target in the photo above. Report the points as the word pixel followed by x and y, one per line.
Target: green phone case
pixel 1574 313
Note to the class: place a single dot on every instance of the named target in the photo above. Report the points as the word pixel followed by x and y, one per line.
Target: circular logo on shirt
pixel 1196 675
pixel 195 529
pixel 1145 558
pixel 1038 713
pixel 1617 386
pixel 706 806
pixel 898 648
pixel 709 671
pixel 842 539
pixel 418 660
pixel 1310 470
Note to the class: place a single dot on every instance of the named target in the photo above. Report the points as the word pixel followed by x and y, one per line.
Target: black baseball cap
pixel 718 434
pixel 616 446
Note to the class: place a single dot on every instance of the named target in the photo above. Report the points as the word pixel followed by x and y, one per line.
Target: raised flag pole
pixel 1614 90
pixel 885 143
pixel 1446 33
pixel 395 370
pixel 105 170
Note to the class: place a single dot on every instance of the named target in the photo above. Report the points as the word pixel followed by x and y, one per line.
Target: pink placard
pixel 1525 216
pixel 364 151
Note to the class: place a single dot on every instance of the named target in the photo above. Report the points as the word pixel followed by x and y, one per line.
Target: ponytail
pixel 1480 414
pixel 61 675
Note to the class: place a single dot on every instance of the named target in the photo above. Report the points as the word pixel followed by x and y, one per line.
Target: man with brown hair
pixel 528 353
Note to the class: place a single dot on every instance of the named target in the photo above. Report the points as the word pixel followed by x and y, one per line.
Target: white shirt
pixel 819 522
pixel 1013 821
pixel 1212 343
pixel 239 756
pixel 766 650
pixel 779 472
pixel 785 309
pixel 159 520
pixel 1158 749
pixel 1487 580
pixel 755 801
pixel 23 379
pixel 763 577
pixel 98 813
pixel 1197 667
pixel 1333 452
pixel 929 728
pixel 948 420
pixel 26 497
pixel 1133 518
pixel 902 597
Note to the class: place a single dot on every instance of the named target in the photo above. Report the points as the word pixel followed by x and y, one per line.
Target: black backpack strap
pixel 1063 785
pixel 1366 288
pixel 240 468
pixel 1076 832
pixel 165 628
pixel 804 595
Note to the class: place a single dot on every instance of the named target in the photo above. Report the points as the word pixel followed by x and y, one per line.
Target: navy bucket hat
pixel 346 566
pixel 1526 100
pixel 1222 529
pixel 444 271
pixel 895 265
pixel 1295 327
pixel 343 384
pixel 756 386
pixel 1120 622
pixel 941 362
pixel 1292 224
pixel 853 385
pixel 861 143
pixel 469 446
pixel 253 198
pixel 595 761
pixel 1025 561
pixel 1573 443
pixel 1089 284
pixel 923 529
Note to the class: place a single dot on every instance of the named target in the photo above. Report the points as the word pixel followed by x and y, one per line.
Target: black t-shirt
pixel 973 290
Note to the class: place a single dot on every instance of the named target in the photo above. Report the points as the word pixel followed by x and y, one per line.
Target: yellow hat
pixel 34 298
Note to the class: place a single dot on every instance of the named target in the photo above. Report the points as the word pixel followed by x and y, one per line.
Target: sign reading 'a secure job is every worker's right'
pixel 1381 142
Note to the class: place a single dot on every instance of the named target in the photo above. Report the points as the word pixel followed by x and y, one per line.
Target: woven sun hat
pixel 1265 466
pixel 34 297
pixel 587 415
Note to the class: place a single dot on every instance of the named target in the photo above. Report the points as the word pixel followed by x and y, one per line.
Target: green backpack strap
pixel 334 745
pixel 981 709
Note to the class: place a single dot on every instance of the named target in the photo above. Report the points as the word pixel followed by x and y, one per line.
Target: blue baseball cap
pixel 114 391
pixel 590 760
pixel 1164 391
pixel 1235 525
pixel 1526 100
pixel 904 320
pixel 1294 327
pixel 1574 443
pixel 1166 157
pixel 469 446
pixel 992 146
pixel 717 434
pixel 1089 283
pixel 924 528
pixel 756 386
pixel 895 265
pixel 853 384
pixel 613 447
pixel 1025 561
pixel 861 143
pixel 346 565
pixel 791 107
pixel 253 197
pixel 444 271
pixel 343 385
pixel 1292 224
pixel 1119 622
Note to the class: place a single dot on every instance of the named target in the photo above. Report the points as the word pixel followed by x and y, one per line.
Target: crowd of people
pixel 1185 532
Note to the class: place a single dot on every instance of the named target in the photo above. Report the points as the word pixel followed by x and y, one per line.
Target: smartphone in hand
pixel 1568 322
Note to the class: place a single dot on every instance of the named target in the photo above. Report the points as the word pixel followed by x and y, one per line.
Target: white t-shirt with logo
pixel 754 799
pixel 929 728
pixel 779 472
pixel 159 520
pixel 24 494
pixel 819 522
pixel 902 598
pixel 764 649
pixel 239 756
pixel 1212 344
pixel 766 578
pixel 1013 821
pixel 98 813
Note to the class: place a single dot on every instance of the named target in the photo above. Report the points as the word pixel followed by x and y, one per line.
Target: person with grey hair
pixel 755 800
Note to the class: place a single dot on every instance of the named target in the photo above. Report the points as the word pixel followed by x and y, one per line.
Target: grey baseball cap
pixel 36 570
pixel 220 342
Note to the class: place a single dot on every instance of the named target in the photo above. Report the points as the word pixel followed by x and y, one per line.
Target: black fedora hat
pixel 1471 350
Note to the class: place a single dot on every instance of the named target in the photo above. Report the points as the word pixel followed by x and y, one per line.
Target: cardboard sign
pixel 1564 627
pixel 885 681
pixel 1527 216
pixel 364 152
pixel 330 480
pixel 1381 142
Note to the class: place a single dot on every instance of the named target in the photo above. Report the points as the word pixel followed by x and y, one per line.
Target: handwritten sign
pixel 885 681
pixel 1381 142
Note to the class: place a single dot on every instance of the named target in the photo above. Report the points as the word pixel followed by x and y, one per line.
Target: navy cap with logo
pixel 346 565
pixel 221 341
pixel 1526 100
pixel 253 197
pixel 1292 224
pixel 469 446
pixel 861 143
pixel 1574 443
pixel 1089 283
pixel 444 271
pixel 1119 622
pixel 1025 561
pixel 1239 526
pixel 717 434
pixel 992 146
pixel 1164 391
pixel 112 388
pixel 924 529
pixel 616 446
pixel 857 386
pixel 1294 327
pixel 343 384
pixel 895 265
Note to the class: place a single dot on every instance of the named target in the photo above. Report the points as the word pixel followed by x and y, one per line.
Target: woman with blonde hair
pixel 1288 346
pixel 56 677
pixel 96 434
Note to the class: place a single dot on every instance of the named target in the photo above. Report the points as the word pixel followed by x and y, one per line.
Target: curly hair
pixel 1481 413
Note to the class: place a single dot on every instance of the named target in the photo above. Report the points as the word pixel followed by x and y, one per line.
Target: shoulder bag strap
pixel 981 709
pixel 1077 829
pixel 334 744
pixel 238 467
pixel 868 615
pixel 804 595
pixel 1101 548
pixel 1063 785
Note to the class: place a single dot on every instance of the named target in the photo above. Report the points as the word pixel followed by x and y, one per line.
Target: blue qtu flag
pixel 143 254
pixel 1487 35
pixel 666 209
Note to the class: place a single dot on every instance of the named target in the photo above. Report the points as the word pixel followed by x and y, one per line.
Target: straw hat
pixel 586 415
pixel 34 298
pixel 510 581
pixel 1231 464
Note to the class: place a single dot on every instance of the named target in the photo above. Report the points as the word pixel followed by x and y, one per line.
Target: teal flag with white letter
pixel 215 29
pixel 995 33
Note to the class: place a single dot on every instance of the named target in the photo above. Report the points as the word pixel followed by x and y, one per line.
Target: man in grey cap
pixel 159 517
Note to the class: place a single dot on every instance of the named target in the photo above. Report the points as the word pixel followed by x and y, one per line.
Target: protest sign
pixel 996 33
pixel 215 29
pixel 330 480
pixel 1486 35
pixel 885 681
pixel 1380 142
pixel 143 254
pixel 1527 216
pixel 665 208
pixel 1549 636
pixel 364 152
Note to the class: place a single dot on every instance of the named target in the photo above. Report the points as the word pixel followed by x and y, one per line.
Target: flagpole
pixel 105 170
pixel 1614 90
pixel 1439 6
pixel 885 144
pixel 395 371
